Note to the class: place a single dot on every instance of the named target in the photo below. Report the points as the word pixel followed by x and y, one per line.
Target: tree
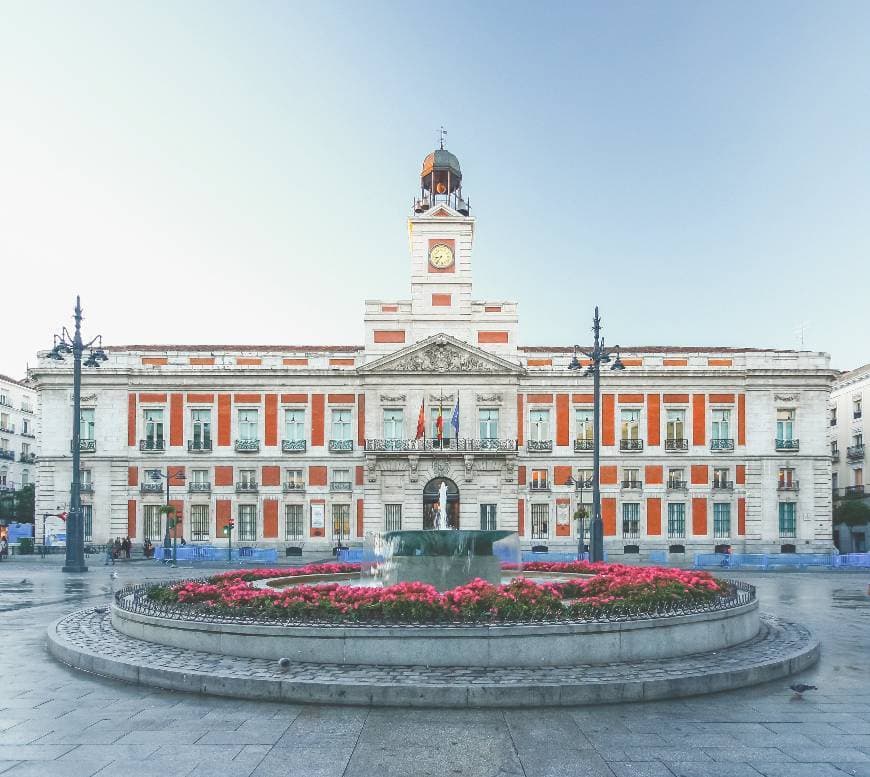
pixel 852 512
pixel 18 505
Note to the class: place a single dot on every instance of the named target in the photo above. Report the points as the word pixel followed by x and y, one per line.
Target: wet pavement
pixel 57 722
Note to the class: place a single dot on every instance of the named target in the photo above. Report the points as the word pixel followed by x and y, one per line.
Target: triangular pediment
pixel 441 211
pixel 442 353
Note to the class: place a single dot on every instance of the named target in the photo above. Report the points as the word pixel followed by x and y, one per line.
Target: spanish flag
pixel 421 422
pixel 439 423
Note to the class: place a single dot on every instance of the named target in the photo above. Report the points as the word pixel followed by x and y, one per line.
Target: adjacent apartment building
pixel 18 433
pixel 315 444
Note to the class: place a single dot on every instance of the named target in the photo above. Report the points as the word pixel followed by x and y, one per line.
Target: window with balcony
pixel 247 523
pixel 720 436
pixel 293 480
pixel 294 424
pixel 631 478
pixel 86 424
pixel 199 482
pixel 721 520
pixel 540 480
pixel 721 479
pixel 26 428
pixel 394 424
pixel 784 428
pixel 584 429
pixel 487 517
pixel 153 418
pixel 199 523
pixel 25 478
pixel 539 430
pixel 540 521
pixel 787 519
pixel 584 478
pixel 676 520
pixel 392 517
pixel 630 520
pixel 86 482
pixel 675 430
pixel 341 480
pixel 248 425
pixel 787 480
pixel 676 478
pixel 488 423
pixel 294 522
pixel 6 424
pixel 88 522
pixel 151 520
pixel 247 480
pixel 629 425
pixel 833 416
pixel 200 422
pixel 856 407
pixel 341 521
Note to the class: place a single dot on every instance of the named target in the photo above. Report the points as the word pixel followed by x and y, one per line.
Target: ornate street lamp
pixel 597 356
pixel 65 343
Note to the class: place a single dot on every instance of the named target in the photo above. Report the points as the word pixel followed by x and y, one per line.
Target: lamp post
pixel 580 513
pixel 168 542
pixel 72 343
pixel 598 355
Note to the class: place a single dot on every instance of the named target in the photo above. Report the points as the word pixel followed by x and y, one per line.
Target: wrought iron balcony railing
pixel 854 453
pixel 677 444
pixel 634 485
pixel 294 485
pixel 723 485
pixel 539 446
pixel 28 434
pixel 85 446
pixel 835 457
pixel 677 485
pixel 788 485
pixel 460 445
pixel 340 485
pixel 27 458
pixel 247 487
pixel 722 444
pixel 340 446
pixel 199 446
pixel 86 488
pixel 631 445
pixel 202 487
pixel 7 455
pixel 152 445
pixel 27 409
pixel 539 486
pixel 150 487
pixel 5 402
pixel 787 445
pixel 583 445
pixel 293 446
pixel 8 429
pixel 247 446
pixel 853 491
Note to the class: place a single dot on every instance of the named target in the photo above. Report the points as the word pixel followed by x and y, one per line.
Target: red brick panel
pixel 361 420
pixel 699 420
pixel 520 421
pixel 390 335
pixel 608 475
pixel 741 419
pixel 152 398
pixel 539 362
pixel 359 474
pixel 561 474
pixel 676 399
pixel 131 419
pixel 541 399
pixel 176 476
pixel 608 420
pixel 699 517
pixel 521 475
pixel 631 399
pixel 247 399
pixel 582 399
pixel 675 362
pixel 270 518
pixel 317 476
pixel 341 362
pixel 295 362
pixel 441 300
pixel 224 424
pixel 360 524
pixel 223 476
pixel 563 530
pixel 131 518
pixel 271 436
pixel 562 425
pixel 154 361
pixel 722 399
pixel 653 474
pixel 740 474
pixel 176 420
pixel 653 516
pixel 271 476
pixel 521 517
pixel 132 476
pixel 653 419
pixel 249 361
pixel 719 362
pixel 699 475
pixel 341 399
pixel 223 513
pixel 200 399
pixel 294 399
pixel 492 337
pixel 178 530
pixel 741 516
pixel 317 420
pixel 608 516
pixel 201 361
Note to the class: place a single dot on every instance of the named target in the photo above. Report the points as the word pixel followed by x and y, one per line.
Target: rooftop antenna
pixel 801 331
pixel 443 134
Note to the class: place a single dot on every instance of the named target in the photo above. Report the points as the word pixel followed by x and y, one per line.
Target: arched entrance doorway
pixel 430 499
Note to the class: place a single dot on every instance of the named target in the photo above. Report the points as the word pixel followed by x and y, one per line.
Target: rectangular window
pixel 676 477
pixel 247 528
pixel 248 427
pixel 199 477
pixel 540 521
pixel 248 477
pixel 294 525
pixel 856 407
pixel 787 523
pixel 487 517
pixel 341 425
pixel 293 478
pixel 294 425
pixel 25 477
pixel 341 521
pixel 151 523
pixel 631 520
pixel 584 478
pixel 833 416
pixel 201 422
pixel 676 520
pixel 721 424
pixel 4 422
pixel 86 424
pixel 199 523
pixel 153 428
pixel 720 477
pixel 488 421
pixel 85 478
pixel 630 424
pixel 539 425
pixel 786 477
pixel 539 479
pixel 583 424
pixel 394 424
pixel 631 477
pixel 88 522
pixel 341 476
pixel 675 428
pixel 25 449
pixel 25 426
pixel 721 520
pixel 392 517
pixel 785 425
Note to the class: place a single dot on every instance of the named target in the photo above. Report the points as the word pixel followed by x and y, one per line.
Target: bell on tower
pixel 441 182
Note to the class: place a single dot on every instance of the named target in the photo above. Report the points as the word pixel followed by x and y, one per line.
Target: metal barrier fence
pixel 350 555
pixel 529 555
pixel 781 560
pixel 214 553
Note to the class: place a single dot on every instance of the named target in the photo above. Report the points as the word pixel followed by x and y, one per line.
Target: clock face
pixel 441 256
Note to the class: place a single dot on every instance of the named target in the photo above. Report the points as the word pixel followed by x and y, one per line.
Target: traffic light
pixel 229 526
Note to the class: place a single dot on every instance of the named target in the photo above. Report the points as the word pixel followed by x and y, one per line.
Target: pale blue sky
pixel 241 172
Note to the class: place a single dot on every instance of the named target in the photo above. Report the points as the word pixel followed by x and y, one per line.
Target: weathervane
pixel 443 133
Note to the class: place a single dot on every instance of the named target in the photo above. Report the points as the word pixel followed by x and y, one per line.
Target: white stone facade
pixel 847 412
pixel 754 433
pixel 18 433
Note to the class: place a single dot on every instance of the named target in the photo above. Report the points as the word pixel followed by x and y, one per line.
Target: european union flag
pixel 454 421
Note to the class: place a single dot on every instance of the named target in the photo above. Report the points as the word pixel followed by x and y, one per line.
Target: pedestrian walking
pixel 4 549
pixel 127 545
pixel 110 556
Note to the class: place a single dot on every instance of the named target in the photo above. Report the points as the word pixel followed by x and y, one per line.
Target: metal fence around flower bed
pixel 765 561
pixel 214 553
pixel 135 599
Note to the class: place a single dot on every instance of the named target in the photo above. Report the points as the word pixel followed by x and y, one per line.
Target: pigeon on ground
pixel 800 689
pixel 284 663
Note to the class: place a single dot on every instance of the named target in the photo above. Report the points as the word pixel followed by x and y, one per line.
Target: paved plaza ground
pixel 55 722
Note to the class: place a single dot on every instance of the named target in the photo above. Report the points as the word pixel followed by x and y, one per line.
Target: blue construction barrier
pixel 658 557
pixel 780 560
pixel 529 555
pixel 350 555
pixel 213 553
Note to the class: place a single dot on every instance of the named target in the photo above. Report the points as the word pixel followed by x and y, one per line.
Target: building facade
pixel 18 434
pixel 700 447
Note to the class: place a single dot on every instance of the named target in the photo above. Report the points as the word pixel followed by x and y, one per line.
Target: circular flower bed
pixel 614 589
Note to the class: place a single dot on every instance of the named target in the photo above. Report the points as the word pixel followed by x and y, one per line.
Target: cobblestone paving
pixel 55 722
pixel 93 632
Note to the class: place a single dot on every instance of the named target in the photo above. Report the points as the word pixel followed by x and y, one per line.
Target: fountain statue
pixel 442 500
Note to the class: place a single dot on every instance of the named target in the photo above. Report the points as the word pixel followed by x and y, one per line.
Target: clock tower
pixel 441 237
